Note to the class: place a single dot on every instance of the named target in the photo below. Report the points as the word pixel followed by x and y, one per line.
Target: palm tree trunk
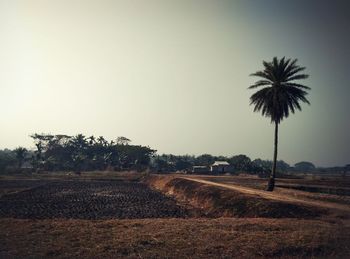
pixel 271 183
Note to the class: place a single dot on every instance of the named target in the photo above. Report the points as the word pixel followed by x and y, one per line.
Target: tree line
pixel 81 153
pixel 240 163
pixel 78 153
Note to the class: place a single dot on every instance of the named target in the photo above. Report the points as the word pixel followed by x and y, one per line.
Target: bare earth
pixel 274 195
pixel 173 238
pixel 191 235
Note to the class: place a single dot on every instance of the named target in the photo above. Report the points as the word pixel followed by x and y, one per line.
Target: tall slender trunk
pixel 271 183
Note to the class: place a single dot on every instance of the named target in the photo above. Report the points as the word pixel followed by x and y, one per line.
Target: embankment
pixel 215 201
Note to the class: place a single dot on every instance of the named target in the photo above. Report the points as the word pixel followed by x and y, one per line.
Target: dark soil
pixel 86 200
pixel 17 184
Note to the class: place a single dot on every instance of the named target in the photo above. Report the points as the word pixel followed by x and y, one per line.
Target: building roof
pixel 220 163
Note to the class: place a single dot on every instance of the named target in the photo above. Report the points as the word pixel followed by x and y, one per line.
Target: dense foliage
pixel 304 166
pixel 62 152
pixel 7 159
pixel 81 153
pixel 240 163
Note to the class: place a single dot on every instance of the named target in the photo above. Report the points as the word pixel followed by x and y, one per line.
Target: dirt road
pixel 274 195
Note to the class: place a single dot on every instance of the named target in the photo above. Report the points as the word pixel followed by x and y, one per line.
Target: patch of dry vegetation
pixel 339 199
pixel 173 238
pixel 223 237
pixel 217 201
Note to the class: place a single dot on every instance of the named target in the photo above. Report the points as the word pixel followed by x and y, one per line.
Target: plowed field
pixel 87 200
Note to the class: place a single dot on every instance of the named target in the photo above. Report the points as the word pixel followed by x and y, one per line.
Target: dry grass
pixel 216 201
pixel 325 237
pixel 173 238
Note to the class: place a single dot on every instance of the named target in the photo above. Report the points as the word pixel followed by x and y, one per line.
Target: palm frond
pixel 262 74
pixel 269 70
pixel 260 83
pixel 297 85
pixel 290 66
pixel 297 93
pixel 292 72
pixel 298 77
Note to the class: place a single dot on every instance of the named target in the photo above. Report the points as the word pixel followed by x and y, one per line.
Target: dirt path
pixel 274 195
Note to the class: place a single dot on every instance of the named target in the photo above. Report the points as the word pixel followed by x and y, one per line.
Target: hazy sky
pixel 174 74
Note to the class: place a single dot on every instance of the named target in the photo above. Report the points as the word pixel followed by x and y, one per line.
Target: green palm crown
pixel 280 94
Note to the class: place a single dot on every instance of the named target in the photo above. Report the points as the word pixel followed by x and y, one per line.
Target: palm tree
pixel 279 96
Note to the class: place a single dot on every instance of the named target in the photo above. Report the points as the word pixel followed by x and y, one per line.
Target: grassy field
pixel 173 238
pixel 220 223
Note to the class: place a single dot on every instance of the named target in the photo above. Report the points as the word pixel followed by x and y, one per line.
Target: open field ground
pixel 87 200
pixel 119 215
pixel 173 238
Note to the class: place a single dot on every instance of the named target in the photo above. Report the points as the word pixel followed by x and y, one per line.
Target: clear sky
pixel 174 74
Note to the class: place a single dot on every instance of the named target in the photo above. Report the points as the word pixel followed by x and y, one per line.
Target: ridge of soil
pixel 216 200
pixel 275 196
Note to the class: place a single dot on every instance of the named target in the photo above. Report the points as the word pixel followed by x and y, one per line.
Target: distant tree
pixel 57 153
pixel 91 140
pixel 101 140
pixel 123 141
pixel 184 162
pixel 171 163
pixel 134 157
pixel 304 166
pixel 279 96
pixel 37 158
pixel 7 159
pixel 264 166
pixel 261 167
pixel 62 152
pixel 44 143
pixel 161 163
pixel 79 146
pixel 346 169
pixel 20 155
pixel 282 166
pixel 205 160
pixel 221 158
pixel 240 163
pixel 79 142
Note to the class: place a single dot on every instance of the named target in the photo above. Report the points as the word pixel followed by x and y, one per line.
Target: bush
pixel 7 160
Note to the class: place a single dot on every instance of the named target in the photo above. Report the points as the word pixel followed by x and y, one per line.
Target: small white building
pixel 221 167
